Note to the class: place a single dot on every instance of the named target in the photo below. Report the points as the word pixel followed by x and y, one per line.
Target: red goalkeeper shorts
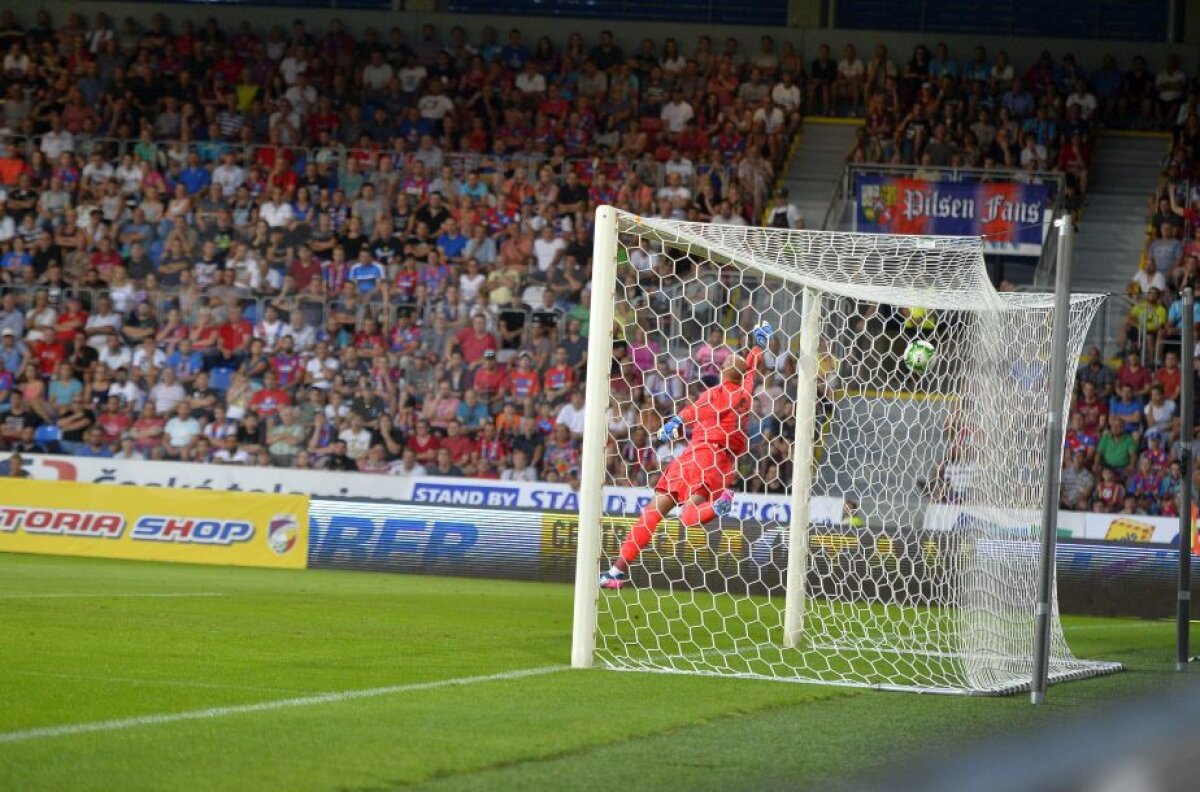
pixel 700 470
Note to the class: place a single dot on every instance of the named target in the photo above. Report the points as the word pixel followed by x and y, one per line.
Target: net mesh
pixel 921 550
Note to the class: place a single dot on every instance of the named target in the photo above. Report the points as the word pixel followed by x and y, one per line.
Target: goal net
pixel 885 525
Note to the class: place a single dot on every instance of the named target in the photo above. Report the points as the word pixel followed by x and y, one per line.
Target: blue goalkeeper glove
pixel 670 429
pixel 762 334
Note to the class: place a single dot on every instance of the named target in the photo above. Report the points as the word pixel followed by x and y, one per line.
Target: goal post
pixel 885 525
pixel 591 469
pixel 802 454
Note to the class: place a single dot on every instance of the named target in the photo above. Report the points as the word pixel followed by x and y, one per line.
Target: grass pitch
pixel 129 676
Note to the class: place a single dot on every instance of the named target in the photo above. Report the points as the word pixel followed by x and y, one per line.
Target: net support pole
pixel 1055 399
pixel 595 437
pixel 802 462
pixel 1187 408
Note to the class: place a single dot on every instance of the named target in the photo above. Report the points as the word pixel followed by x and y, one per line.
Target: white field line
pixel 1070 628
pixel 96 595
pixel 68 730
pixel 152 682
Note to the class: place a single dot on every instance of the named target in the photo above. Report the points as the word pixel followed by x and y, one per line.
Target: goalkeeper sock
pixel 693 514
pixel 638 537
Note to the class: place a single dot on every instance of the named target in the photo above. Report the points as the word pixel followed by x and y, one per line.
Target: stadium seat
pixel 220 377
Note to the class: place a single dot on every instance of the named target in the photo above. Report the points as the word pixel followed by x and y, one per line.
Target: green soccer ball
pixel 918 356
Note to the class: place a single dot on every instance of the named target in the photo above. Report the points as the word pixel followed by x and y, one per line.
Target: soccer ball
pixel 918 356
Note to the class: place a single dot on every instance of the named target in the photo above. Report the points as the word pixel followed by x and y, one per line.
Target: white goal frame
pixel 592 478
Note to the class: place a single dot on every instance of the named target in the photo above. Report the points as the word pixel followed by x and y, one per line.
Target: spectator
pixel 571 414
pixel 180 431
pixel 1117 450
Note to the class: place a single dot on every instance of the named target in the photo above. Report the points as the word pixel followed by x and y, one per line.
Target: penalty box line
pixel 69 730
pixel 97 595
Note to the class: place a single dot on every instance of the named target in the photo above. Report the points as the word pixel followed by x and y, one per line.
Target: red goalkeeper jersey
pixel 718 416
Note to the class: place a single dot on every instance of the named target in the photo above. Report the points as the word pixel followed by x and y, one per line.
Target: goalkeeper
pixel 716 423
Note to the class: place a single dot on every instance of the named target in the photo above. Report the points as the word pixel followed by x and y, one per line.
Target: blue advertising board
pixel 429 539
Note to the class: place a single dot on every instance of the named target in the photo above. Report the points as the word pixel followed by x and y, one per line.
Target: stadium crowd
pixel 320 250
pixel 1125 437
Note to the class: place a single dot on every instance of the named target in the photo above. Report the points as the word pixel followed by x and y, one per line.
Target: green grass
pixel 274 635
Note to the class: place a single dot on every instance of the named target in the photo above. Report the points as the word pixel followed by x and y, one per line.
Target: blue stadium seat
pixel 219 378
pixel 46 434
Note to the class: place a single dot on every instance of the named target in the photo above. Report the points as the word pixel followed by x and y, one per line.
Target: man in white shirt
pixel 181 430
pixel 521 470
pixel 676 113
pixel 435 104
pixel 148 356
pixel 1170 83
pixel 167 393
pixel 57 140
pixel 850 78
pixel 675 192
pixel 548 249
pixel 377 74
pixel 115 354
pixel 126 389
pixel 408 465
pixel 303 335
pixel 786 93
pixel 17 62
pixel 411 75
pixel 230 454
pixel 571 414
pixel 530 82
pixel 104 323
pixel 229 175
pixel 96 171
pixel 356 437
pixel 293 65
pixel 302 96
pixel 770 116
pixel 1149 278
pixel 276 211
pixel 1084 98
pixel 321 367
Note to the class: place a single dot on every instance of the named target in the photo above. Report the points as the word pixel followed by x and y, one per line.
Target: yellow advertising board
pixel 153 524
pixel 673 540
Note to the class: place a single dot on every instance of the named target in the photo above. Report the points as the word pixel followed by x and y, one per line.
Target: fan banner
pixel 142 523
pixel 1013 217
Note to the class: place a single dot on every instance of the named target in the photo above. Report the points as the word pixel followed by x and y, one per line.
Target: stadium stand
pixel 317 250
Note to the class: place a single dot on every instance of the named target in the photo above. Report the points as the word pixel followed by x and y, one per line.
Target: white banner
pixel 1078 525
pixel 425 489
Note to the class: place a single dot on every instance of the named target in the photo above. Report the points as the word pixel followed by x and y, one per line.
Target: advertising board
pixel 71 518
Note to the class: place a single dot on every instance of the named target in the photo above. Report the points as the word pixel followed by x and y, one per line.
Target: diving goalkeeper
pixel 700 476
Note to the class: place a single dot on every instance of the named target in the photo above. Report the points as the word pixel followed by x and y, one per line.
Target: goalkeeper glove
pixel 762 334
pixel 670 429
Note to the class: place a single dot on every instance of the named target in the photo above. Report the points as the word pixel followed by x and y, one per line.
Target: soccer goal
pixel 885 522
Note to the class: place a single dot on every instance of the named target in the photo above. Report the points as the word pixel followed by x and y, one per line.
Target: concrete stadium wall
pixel 804 33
